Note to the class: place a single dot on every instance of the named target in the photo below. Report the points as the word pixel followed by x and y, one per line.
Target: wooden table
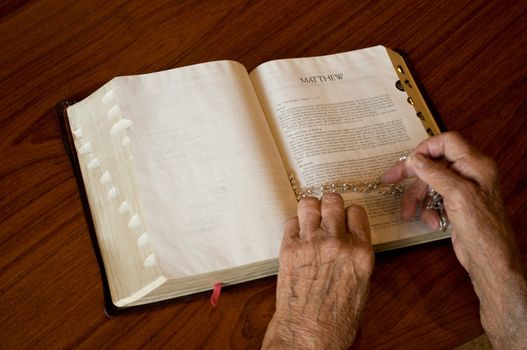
pixel 470 57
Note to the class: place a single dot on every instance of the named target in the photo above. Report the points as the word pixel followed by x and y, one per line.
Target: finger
pixel 398 172
pixel 332 210
pixel 289 244
pixel 357 223
pixel 436 175
pixel 450 145
pixel 465 159
pixel 309 217
pixel 412 197
pixel 401 170
pixel 292 229
pixel 430 217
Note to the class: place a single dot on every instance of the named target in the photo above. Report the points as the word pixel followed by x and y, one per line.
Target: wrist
pixel 305 333
pixel 494 260
pixel 502 293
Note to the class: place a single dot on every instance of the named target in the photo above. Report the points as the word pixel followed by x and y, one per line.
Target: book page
pixel 210 179
pixel 340 118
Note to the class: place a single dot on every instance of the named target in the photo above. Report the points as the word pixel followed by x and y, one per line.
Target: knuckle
pixel 356 210
pixel 286 249
pixel 454 136
pixel 312 215
pixel 483 168
pixel 455 141
pixel 333 226
pixel 332 243
pixel 366 257
pixel 308 202
pixel 455 196
pixel 292 226
pixel 292 222
pixel 367 251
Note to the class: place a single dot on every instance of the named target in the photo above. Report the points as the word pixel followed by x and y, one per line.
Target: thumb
pixel 435 174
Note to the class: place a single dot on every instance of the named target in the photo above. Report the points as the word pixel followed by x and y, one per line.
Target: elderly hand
pixel 326 261
pixel 481 236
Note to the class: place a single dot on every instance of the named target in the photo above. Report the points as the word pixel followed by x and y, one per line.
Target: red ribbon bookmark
pixel 215 294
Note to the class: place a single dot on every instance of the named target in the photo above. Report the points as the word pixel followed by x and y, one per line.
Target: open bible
pixel 190 174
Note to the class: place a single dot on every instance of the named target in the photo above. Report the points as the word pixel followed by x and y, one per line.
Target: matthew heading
pixel 321 78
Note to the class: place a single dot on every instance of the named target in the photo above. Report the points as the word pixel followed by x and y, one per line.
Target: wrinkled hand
pixel 482 238
pixel 326 261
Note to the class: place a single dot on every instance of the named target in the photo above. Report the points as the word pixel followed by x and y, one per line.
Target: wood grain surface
pixel 470 57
